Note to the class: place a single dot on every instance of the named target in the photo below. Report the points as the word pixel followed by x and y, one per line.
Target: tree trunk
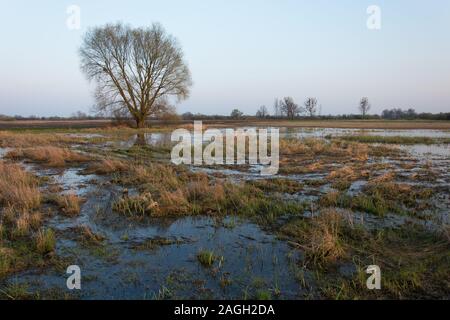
pixel 140 123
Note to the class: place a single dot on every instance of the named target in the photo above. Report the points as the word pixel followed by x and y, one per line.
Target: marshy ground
pixel 142 228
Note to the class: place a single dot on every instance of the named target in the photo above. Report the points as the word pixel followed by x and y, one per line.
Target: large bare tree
pixel 364 106
pixel 136 69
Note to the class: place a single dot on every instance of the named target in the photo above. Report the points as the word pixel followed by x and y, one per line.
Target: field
pixel 351 124
pixel 348 194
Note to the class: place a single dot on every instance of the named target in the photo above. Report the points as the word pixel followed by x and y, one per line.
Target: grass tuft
pixel 45 241
pixel 206 258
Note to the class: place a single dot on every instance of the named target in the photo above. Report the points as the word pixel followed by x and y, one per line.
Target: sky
pixel 241 53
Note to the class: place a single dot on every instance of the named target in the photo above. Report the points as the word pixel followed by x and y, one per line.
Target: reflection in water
pixel 140 140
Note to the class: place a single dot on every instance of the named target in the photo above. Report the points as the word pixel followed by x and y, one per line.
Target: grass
pixel 312 147
pixel 381 196
pixel 22 242
pixel 22 225
pixel 69 204
pixel 414 260
pixel 15 291
pixel 49 156
pixel 278 185
pixel 107 166
pixel 166 190
pixel 18 188
pixel 313 155
pixel 395 139
pixel 346 173
pixel 140 205
pixel 87 236
pixel 45 241
pixel 263 295
pixel 12 139
pixel 320 237
pixel 206 258
pixel 414 263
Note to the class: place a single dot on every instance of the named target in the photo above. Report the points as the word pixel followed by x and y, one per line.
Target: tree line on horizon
pixel 387 114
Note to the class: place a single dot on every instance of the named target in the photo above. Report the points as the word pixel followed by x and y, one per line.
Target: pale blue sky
pixel 242 53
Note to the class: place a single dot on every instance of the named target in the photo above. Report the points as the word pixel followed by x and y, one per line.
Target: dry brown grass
pixel 386 177
pixel 324 242
pixel 69 204
pixel 139 205
pixel 50 156
pixel 174 202
pixel 35 220
pixel 154 174
pixel 26 140
pixel 18 188
pixel 345 173
pixel 313 146
pixel 22 225
pixel 107 166
pixel 330 199
pixel 45 241
pixel 321 237
pixel 88 236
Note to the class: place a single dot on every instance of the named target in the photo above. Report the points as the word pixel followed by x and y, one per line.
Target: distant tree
pixel 79 115
pixel 311 106
pixel 262 112
pixel 411 113
pixel 236 114
pixel 364 106
pixel 169 114
pixel 6 118
pixel 397 113
pixel 134 69
pixel 276 108
pixel 289 108
pixel 187 116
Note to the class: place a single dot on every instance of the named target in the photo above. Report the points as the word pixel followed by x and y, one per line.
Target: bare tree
pixel 289 108
pixel 262 112
pixel 276 108
pixel 79 115
pixel 311 106
pixel 134 69
pixel 364 106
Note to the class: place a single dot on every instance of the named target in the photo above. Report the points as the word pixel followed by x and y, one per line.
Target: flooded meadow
pixel 139 227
